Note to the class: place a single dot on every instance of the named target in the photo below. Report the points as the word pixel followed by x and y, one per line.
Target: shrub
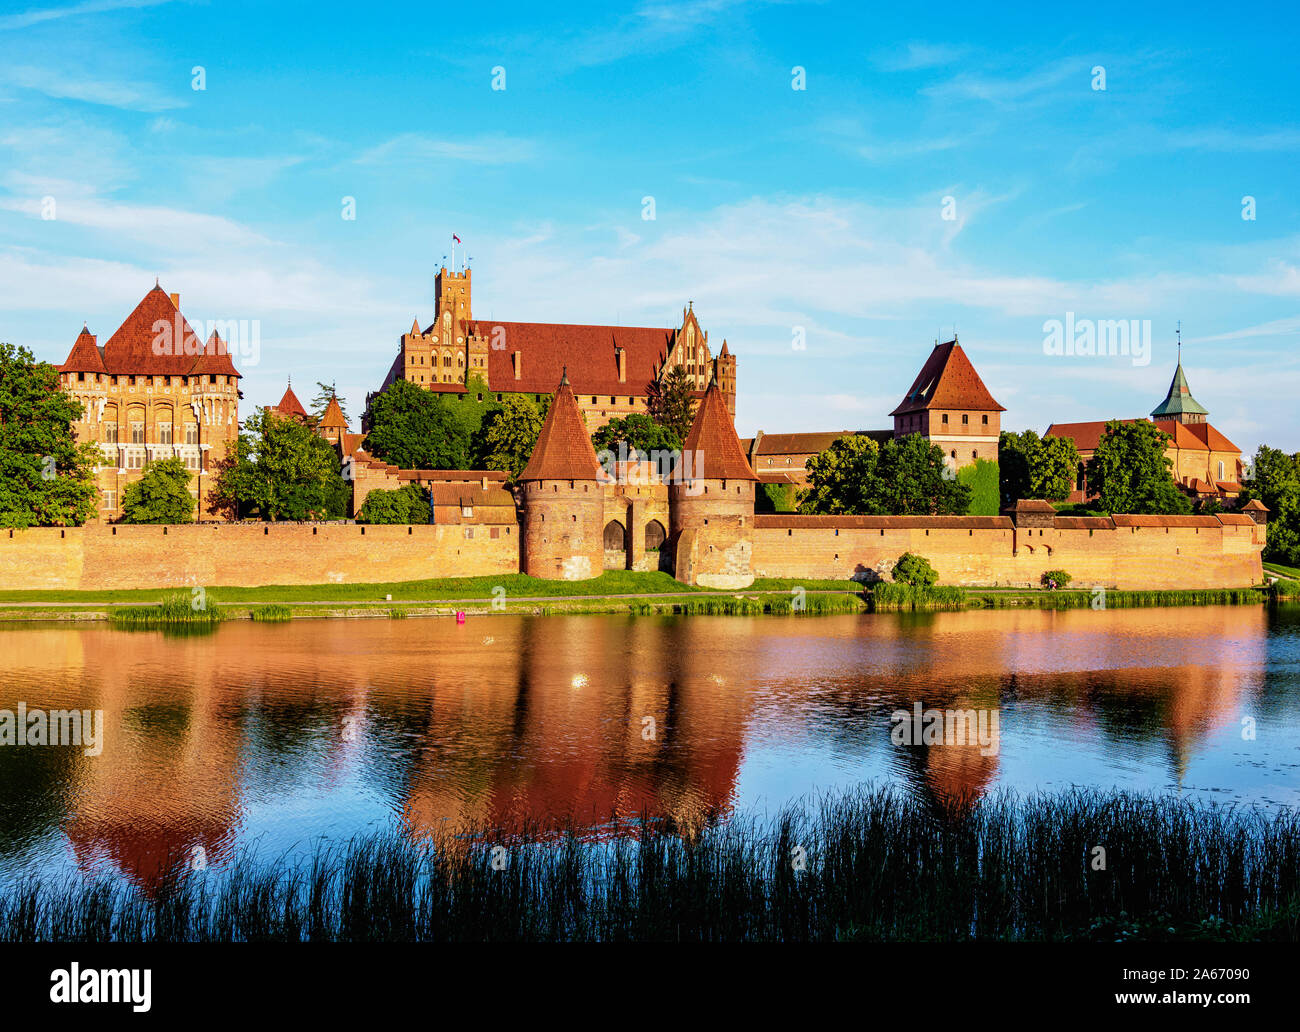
pixel 1060 576
pixel 405 505
pixel 914 570
pixel 985 494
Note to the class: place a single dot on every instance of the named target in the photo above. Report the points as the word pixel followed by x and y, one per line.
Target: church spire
pixel 1179 403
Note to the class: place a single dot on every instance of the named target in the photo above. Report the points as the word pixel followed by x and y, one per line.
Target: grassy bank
pixel 873 864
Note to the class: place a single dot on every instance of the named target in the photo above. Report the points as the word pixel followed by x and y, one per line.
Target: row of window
pixel 914 422
pixel 136 433
pixel 155 381
pixel 135 459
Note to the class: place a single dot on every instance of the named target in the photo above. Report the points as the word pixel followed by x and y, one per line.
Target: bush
pixel 405 505
pixel 914 570
pixel 1060 576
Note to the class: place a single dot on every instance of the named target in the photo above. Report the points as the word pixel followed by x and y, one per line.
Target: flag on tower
pixel 455 238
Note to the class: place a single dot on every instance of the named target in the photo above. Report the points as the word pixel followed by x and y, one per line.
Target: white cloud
pixel 61 84
pixel 483 150
pixel 37 16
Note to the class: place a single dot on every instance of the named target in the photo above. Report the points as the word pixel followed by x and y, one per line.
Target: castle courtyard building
pixel 154 391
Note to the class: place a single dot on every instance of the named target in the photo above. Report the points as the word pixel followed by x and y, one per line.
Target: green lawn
pixel 1290 572
pixel 517 586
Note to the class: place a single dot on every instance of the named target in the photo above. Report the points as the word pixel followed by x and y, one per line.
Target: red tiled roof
pixel 1255 505
pixel 1032 505
pixel 290 405
pixel 1187 436
pixel 546 349
pixel 783 521
pixel 1128 520
pixel 1086 436
pixel 84 356
pixel 947 381
pixel 1234 519
pixel 130 351
pixel 1084 523
pixel 797 444
pixel 712 444
pixel 332 417
pixel 563 450
pixel 214 358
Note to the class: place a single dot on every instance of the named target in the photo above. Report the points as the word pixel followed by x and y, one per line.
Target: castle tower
pixel 332 425
pixel 711 502
pixel 564 504
pixel 949 406
pixel 726 375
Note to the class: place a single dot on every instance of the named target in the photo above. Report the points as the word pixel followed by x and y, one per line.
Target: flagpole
pixel 453 254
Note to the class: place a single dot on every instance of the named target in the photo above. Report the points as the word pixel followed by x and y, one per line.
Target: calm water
pixel 280 735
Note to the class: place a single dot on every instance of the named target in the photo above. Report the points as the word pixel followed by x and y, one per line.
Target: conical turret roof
pixel 332 418
pixel 1179 400
pixel 290 405
pixel 563 450
pixel 712 445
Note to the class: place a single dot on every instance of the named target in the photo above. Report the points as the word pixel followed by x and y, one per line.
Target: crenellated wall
pixel 103 558
pixel 1124 552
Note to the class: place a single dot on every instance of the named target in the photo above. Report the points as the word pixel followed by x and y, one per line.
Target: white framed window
pixel 110 500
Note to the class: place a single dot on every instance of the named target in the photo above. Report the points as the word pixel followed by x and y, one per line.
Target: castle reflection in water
pixel 278 736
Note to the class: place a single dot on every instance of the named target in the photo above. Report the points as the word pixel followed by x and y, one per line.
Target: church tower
pixel 1179 405
pixel 564 502
pixel 711 502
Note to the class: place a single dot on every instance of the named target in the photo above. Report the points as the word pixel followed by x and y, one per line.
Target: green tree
pixel 324 392
pixel 281 470
pixel 162 495
pixel 916 480
pixel 1130 472
pixel 1036 467
pixel 414 428
pixel 1275 480
pixel 902 477
pixel 638 433
pixel 407 504
pixel 915 570
pixel 671 402
pixel 842 480
pixel 46 478
pixel 511 434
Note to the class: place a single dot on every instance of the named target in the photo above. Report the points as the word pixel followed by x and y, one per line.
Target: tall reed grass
pixel 877 864
pixel 175 609
pixel 785 605
pixel 271 613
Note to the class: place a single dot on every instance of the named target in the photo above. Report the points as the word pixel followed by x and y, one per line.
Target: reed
pixel 175 609
pixel 781 605
pixel 877 864
pixel 1286 589
pixel 889 595
pixel 272 613
pixel 397 614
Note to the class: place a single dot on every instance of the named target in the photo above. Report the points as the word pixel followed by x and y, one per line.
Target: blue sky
pixel 775 208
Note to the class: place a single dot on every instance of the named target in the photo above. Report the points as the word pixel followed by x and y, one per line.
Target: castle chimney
pixel 621 355
pixel 176 302
pixel 517 359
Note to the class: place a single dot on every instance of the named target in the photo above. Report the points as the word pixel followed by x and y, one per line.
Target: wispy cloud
pixel 37 16
pixel 917 56
pixel 1013 89
pixel 482 150
pixel 62 85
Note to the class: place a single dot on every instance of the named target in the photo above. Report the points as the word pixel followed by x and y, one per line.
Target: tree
pixel 281 470
pixel 915 570
pixel 407 504
pixel 417 429
pixel 1275 481
pixel 324 392
pixel 902 477
pixel 1130 472
pixel 1036 467
pixel 46 478
pixel 162 495
pixel 637 433
pixel 511 434
pixel 842 479
pixel 671 402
